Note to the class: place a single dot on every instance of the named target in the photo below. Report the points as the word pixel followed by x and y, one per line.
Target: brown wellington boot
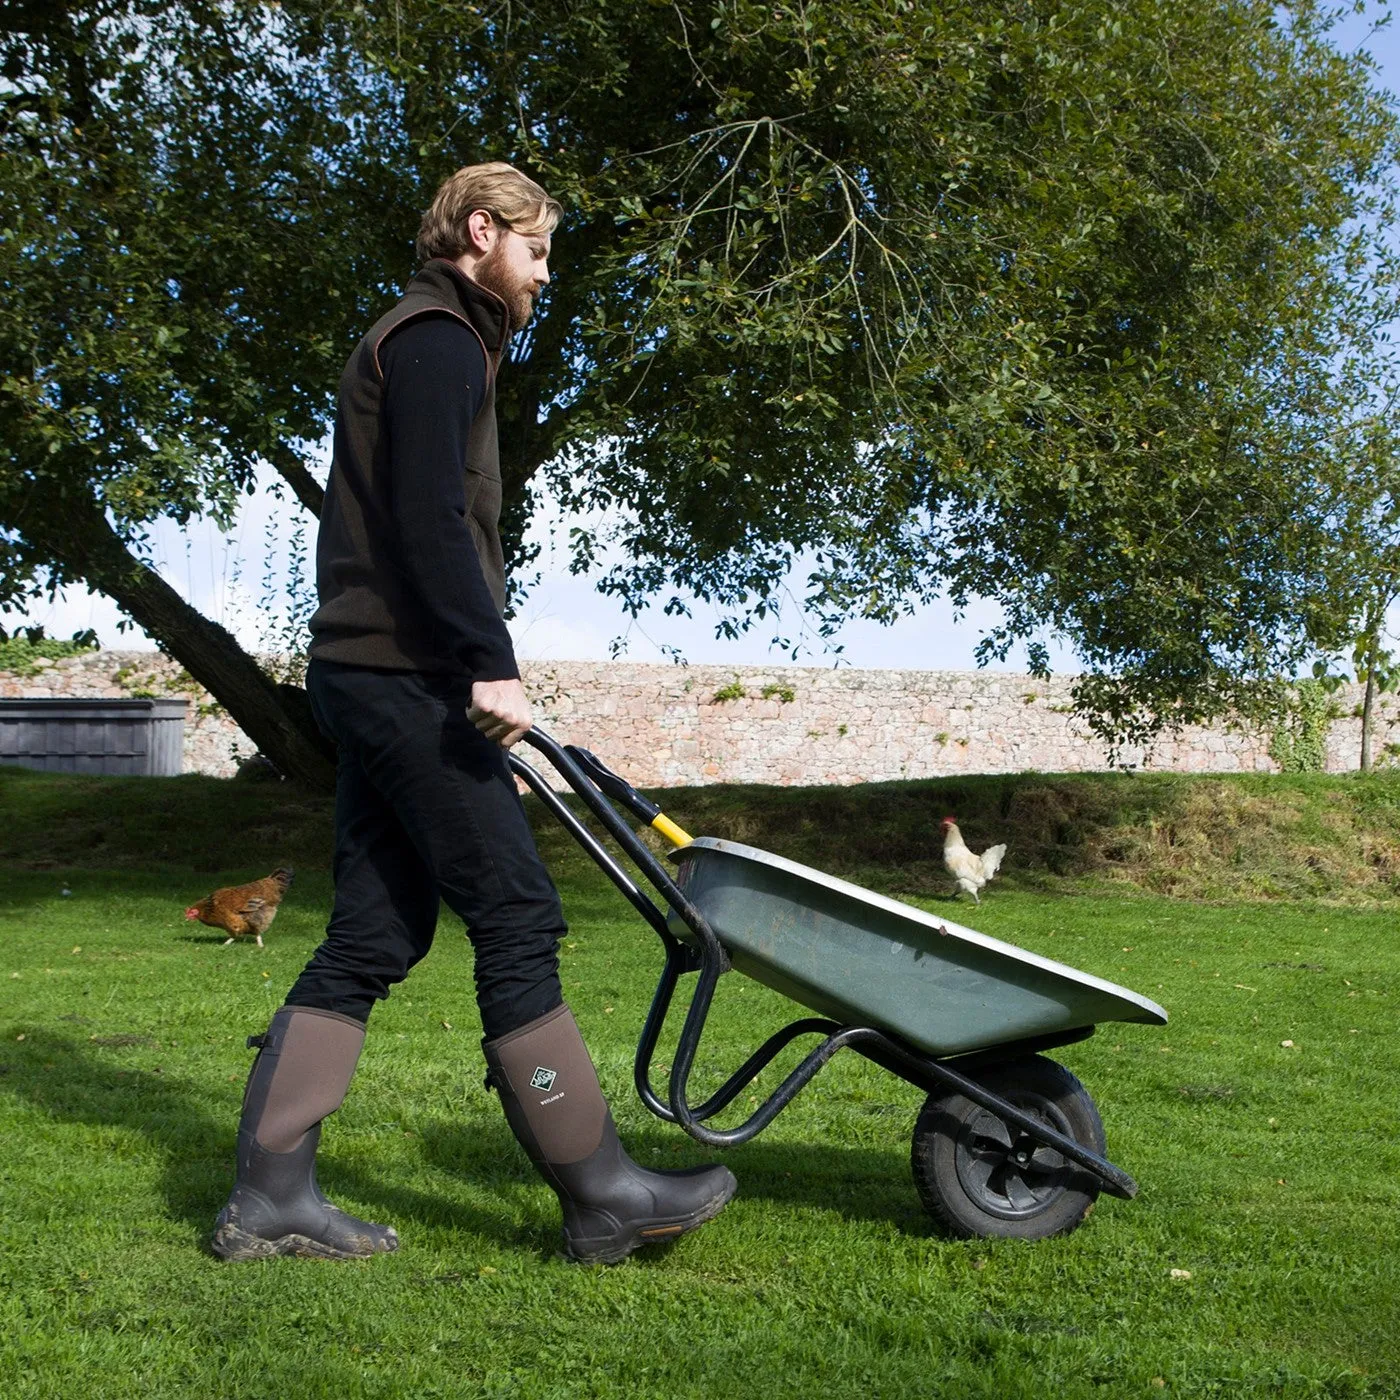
pixel 556 1110
pixel 303 1068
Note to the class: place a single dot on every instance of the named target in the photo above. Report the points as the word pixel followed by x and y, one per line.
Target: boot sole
pixel 645 1232
pixel 231 1243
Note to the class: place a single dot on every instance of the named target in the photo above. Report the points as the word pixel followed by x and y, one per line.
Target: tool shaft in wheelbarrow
pixel 862 959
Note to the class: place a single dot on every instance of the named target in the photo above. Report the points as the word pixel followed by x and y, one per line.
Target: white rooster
pixel 969 870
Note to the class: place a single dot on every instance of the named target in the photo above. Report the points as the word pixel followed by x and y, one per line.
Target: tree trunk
pixel 276 718
pixel 1368 706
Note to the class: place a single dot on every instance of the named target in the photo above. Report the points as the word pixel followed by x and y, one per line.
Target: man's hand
pixel 500 710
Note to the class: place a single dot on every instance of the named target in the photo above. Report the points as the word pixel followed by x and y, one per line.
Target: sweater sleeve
pixel 434 384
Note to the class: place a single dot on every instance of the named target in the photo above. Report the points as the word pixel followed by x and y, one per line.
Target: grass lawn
pixel 1270 1173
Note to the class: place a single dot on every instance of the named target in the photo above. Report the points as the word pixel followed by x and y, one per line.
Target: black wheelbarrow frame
pixel 595 784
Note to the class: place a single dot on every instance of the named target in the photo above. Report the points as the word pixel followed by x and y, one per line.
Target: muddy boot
pixel 302 1071
pixel 556 1110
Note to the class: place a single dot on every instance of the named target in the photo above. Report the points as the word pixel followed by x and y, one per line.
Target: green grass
pixel 1268 1173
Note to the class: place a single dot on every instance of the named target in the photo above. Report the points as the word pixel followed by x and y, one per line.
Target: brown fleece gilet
pixel 369 614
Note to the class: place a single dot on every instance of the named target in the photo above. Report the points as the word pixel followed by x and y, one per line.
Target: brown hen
pixel 241 910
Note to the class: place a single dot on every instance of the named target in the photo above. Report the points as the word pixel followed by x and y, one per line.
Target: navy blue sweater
pixel 435 380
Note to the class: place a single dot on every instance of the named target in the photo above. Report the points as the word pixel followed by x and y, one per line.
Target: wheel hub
pixel 1005 1171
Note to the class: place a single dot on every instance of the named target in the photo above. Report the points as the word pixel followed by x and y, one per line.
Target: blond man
pixel 413 675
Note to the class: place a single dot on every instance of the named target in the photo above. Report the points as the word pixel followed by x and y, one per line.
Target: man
pixel 412 673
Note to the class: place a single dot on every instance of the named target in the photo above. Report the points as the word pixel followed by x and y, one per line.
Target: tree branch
pixel 293 471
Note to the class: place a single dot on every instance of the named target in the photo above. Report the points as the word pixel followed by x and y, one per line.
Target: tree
pixel 1364 568
pixel 173 309
pixel 1375 663
pixel 1046 304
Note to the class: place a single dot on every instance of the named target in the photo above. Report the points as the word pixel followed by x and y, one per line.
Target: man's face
pixel 516 267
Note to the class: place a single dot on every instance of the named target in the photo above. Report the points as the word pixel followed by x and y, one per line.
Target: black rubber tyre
pixel 977 1176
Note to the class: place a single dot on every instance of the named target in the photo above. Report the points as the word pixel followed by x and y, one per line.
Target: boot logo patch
pixel 543 1079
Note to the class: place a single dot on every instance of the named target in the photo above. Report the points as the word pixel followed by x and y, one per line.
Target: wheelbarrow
pixel 1007 1143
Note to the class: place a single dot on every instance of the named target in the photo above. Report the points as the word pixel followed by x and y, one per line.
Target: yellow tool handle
pixel 662 823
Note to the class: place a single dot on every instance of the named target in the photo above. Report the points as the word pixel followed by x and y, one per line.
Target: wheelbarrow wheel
pixel 979 1176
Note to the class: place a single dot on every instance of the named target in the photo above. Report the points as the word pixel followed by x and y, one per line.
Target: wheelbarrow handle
pixel 565 761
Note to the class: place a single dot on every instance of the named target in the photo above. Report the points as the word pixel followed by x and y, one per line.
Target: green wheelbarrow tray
pixel 1008 1142
pixel 863 959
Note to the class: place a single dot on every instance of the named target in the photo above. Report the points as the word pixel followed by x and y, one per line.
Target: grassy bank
pixel 1246 836
pixel 1261 1125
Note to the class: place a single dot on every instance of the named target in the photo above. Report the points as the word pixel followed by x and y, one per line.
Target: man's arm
pixel 434 383
pixel 435 379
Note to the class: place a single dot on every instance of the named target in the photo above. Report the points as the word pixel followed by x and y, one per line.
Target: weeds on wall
pixel 28 645
pixel 1299 740
pixel 783 694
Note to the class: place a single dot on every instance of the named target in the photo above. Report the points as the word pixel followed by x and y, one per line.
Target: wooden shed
pixel 116 737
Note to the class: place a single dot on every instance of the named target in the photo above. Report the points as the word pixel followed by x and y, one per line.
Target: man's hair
pixel 501 190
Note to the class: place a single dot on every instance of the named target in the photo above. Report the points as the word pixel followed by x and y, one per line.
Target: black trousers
pixel 426 808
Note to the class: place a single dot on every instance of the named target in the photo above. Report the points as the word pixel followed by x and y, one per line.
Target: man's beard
pixel 492 273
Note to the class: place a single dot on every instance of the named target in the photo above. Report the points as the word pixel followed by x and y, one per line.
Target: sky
pixel 564 617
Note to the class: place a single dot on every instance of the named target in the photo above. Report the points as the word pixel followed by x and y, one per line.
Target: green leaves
pixel 1067 310
pixel 172 307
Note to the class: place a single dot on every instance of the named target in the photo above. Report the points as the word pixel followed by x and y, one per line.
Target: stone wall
pixel 666 726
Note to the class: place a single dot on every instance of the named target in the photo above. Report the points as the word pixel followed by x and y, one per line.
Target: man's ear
pixel 481 231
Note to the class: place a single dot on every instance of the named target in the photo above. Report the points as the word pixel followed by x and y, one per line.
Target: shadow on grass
pixel 69 1082
pixel 172 888
pixel 73 1082
pixel 857 1183
pixel 201 825
pixel 1248 835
